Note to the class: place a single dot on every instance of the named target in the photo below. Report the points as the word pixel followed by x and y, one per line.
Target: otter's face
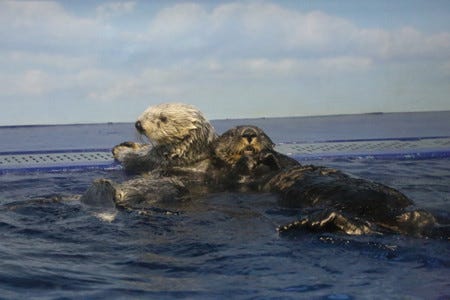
pixel 240 141
pixel 171 123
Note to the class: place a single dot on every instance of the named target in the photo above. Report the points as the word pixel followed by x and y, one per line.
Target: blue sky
pixel 106 61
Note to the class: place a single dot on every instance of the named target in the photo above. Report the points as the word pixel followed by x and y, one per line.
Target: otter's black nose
pixel 138 126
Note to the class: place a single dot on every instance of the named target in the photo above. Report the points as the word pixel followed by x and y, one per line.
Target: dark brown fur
pixel 329 199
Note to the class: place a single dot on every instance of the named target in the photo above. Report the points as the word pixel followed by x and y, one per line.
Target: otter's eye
pixel 163 119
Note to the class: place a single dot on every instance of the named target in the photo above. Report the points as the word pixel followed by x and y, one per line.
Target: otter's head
pixel 240 141
pixel 180 127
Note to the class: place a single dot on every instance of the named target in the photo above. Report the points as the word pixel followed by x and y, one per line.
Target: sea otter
pixel 187 155
pixel 245 158
pixel 174 166
pixel 180 134
pixel 329 199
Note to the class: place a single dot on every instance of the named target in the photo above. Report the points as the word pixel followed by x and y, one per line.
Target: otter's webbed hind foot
pixel 328 221
pixel 423 224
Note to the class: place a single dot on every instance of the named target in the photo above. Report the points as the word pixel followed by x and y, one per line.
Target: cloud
pixel 114 9
pixel 45 26
pixel 32 82
pixel 405 43
pixel 49 61
pixel 156 83
pixel 241 29
pixel 314 67
pixel 189 51
pixel 269 30
pixel 246 30
pixel 178 81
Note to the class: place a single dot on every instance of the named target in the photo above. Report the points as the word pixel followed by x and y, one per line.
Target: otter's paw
pixel 244 165
pixel 326 221
pixel 268 159
pixel 124 148
pixel 101 193
pixel 416 222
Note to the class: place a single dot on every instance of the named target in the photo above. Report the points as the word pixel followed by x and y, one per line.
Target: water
pixel 218 246
pixel 295 129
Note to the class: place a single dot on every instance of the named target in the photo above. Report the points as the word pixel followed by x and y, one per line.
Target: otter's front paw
pixel 119 150
pixel 268 159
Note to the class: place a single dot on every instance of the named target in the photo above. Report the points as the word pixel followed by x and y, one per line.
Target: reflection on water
pixel 219 246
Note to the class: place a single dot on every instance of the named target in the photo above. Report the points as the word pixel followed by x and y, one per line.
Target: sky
pixel 106 61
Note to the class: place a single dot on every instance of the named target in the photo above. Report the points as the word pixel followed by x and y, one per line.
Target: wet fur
pixel 180 133
pixel 247 157
pixel 168 171
pixel 329 199
pixel 138 193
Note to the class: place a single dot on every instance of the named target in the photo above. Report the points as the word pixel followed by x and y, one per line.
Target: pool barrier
pixel 57 160
pixel 85 159
pixel 395 148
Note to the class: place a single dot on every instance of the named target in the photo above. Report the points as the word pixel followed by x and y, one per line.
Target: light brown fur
pixel 180 134
pixel 178 158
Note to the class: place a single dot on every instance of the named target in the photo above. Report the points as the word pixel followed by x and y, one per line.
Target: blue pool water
pixel 217 246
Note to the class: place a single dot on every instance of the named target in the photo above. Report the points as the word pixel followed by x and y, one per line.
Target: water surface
pixel 219 246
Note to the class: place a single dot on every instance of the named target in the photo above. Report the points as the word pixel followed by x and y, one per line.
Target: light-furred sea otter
pixel 329 199
pixel 180 134
pixel 175 165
